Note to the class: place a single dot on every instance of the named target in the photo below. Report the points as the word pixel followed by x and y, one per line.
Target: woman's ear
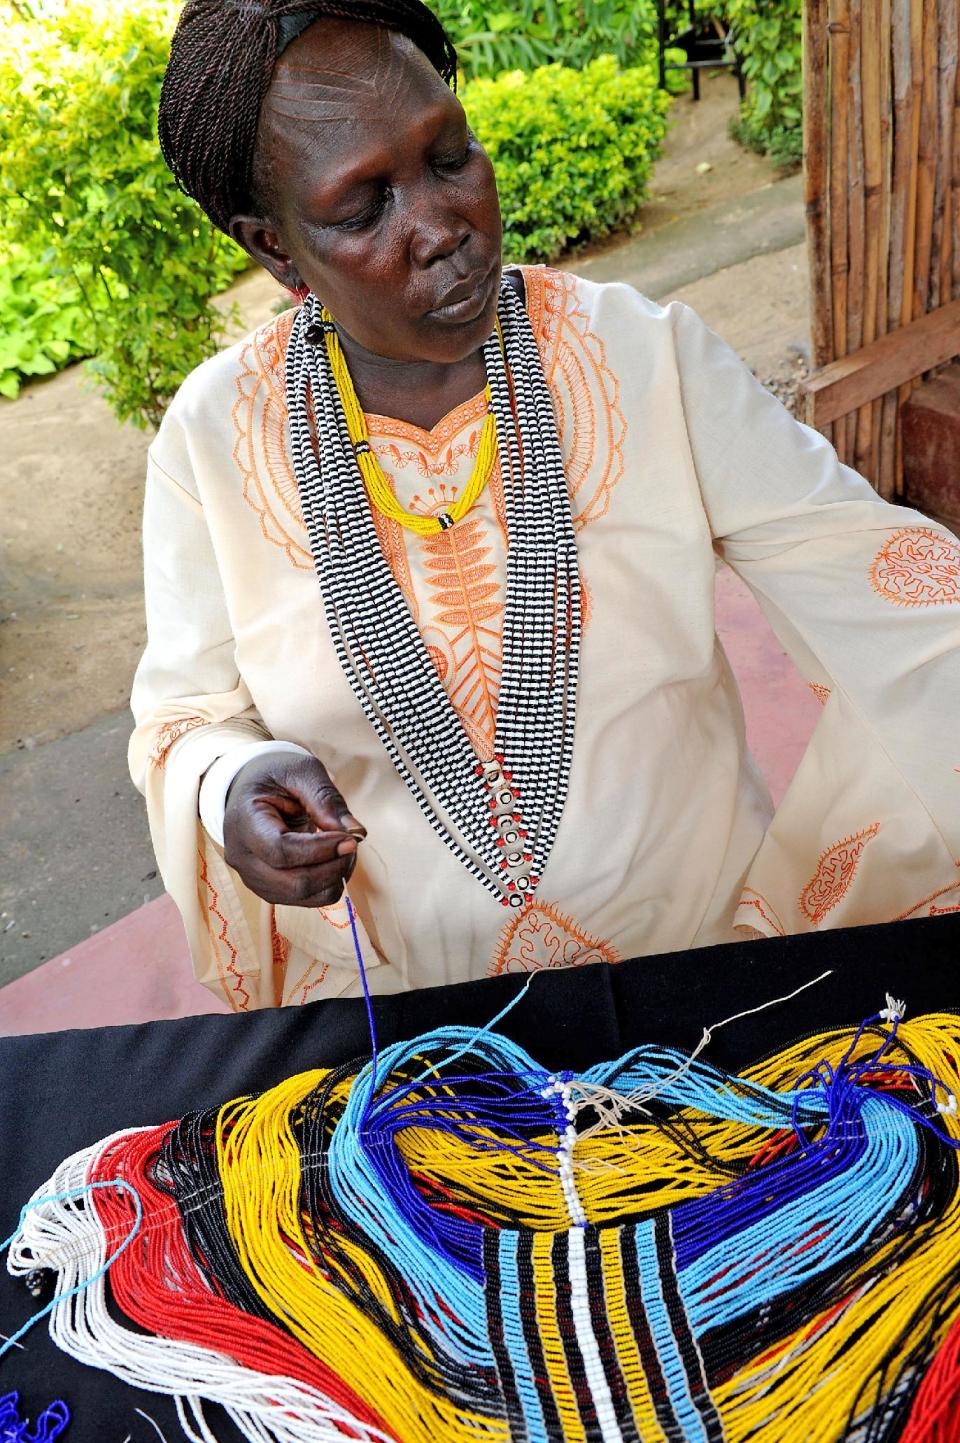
pixel 262 241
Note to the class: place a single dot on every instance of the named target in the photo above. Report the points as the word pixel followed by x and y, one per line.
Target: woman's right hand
pixel 288 832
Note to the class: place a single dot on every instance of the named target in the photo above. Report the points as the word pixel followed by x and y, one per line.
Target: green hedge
pixel 492 37
pixel 85 193
pixel 768 36
pixel 573 150
pixel 43 322
pixel 101 255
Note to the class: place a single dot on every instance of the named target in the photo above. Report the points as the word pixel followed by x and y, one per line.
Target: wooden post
pixel 867 451
pixel 856 238
pixel 912 180
pixel 943 240
pixel 927 155
pixel 839 145
pixel 954 186
pixel 884 454
pixel 816 142
pixel 907 29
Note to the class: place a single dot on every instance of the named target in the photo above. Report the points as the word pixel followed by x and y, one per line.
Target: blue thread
pixel 68 1196
pixel 49 1425
pixel 369 1001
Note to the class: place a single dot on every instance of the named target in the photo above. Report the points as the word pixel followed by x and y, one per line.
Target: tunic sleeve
pixel 865 597
pixel 191 707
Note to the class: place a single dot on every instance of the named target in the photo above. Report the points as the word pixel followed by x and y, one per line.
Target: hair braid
pixel 221 62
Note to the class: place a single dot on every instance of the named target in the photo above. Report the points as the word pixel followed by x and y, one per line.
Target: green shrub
pixel 101 255
pixel 84 187
pixel 491 37
pixel 767 34
pixel 43 322
pixel 573 150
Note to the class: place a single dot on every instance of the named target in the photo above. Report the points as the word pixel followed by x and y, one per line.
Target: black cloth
pixel 63 1091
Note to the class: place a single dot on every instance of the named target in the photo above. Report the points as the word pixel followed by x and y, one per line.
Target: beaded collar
pixel 499 818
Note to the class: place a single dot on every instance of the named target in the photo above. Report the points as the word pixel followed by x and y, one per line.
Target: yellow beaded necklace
pixel 378 488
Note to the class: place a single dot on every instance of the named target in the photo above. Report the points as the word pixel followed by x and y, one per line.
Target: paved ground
pixel 75 854
pixel 74 851
pixel 709 240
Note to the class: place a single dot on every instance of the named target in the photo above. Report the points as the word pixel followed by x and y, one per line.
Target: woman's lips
pixel 468 305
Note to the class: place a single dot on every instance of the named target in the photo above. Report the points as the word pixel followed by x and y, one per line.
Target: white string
pixel 612 1105
pixel 65 1234
pixel 153 1422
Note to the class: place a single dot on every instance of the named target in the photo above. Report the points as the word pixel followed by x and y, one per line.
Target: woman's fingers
pixel 324 805
pixel 304 887
pixel 288 832
pixel 267 834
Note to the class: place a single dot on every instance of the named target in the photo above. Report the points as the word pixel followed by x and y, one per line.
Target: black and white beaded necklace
pixel 499 818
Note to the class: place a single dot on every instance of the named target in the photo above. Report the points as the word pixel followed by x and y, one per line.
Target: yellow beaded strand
pixel 378 488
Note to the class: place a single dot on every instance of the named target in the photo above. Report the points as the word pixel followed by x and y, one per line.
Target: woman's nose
pixel 437 235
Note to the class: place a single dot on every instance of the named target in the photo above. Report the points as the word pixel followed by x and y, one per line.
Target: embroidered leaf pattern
pixel 468 605
pixel 835 871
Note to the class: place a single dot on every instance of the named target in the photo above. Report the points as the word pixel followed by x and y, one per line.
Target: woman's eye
pixel 456 161
pixel 367 216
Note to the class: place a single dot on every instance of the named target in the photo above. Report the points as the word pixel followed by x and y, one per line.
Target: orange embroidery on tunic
pixel 540 936
pixel 279 946
pixel 835 871
pixel 470 610
pixel 590 421
pixel 261 452
pixel 822 693
pixel 435 441
pixel 170 732
pixel 330 915
pixel 236 992
pixel 917 567
pixel 928 901
pixel 751 899
pixel 306 987
pixel 336 916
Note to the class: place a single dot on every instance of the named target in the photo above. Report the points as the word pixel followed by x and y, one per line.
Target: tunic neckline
pixel 439 435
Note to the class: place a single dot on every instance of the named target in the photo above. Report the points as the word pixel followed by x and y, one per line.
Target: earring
pixel 300 292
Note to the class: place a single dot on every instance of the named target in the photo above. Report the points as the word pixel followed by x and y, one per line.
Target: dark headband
pixel 290 26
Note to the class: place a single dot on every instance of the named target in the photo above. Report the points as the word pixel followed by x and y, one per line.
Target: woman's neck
pixel 419 392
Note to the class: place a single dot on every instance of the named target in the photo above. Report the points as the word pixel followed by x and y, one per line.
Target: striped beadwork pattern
pixel 396 1251
pixel 500 816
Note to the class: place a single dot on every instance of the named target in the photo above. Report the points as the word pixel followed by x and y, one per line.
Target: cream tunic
pixel 675 456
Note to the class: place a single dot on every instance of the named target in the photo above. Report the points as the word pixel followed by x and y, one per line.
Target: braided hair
pixel 221 63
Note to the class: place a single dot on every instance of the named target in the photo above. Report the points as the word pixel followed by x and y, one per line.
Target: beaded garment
pixel 500 817
pixel 451 1243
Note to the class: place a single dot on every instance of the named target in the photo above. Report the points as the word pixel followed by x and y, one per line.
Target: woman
pixel 503 717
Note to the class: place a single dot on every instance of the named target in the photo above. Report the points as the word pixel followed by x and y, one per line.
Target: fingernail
pixel 350 824
pixel 347 846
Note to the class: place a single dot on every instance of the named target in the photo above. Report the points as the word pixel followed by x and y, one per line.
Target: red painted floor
pixel 138 970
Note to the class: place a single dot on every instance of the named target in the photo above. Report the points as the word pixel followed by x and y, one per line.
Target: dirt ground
pixel 71 614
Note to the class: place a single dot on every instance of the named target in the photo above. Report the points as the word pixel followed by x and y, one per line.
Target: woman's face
pixel 379 198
